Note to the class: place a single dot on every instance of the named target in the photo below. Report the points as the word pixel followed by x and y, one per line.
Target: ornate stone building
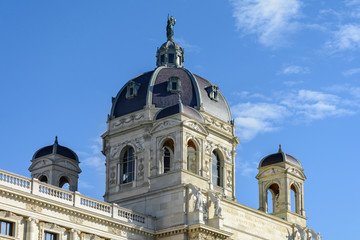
pixel 170 172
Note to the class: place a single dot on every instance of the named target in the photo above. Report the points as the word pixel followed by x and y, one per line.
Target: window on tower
pixel 126 168
pixel 216 169
pixel 168 153
pixel 192 157
pixel 171 58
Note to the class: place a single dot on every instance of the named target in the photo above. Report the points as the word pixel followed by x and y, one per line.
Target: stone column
pixel 31 227
pixel 74 234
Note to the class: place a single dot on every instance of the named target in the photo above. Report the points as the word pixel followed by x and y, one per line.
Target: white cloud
pixel 246 168
pixel 187 46
pixel 346 38
pixel 294 69
pixel 271 20
pixel 252 119
pixel 295 107
pixel 292 83
pixel 94 157
pixel 351 72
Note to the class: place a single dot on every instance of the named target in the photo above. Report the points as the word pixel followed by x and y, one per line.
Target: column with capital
pixel 74 234
pixel 31 227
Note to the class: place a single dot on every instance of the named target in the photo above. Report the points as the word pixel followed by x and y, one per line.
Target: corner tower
pixel 168 128
pixel 56 165
pixel 281 179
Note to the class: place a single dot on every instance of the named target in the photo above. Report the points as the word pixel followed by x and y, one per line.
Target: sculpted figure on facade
pixel 199 198
pixel 216 199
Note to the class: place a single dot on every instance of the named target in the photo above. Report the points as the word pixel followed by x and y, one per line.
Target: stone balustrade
pixel 35 187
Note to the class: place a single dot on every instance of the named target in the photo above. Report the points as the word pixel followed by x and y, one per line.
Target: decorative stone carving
pixel 141 170
pixel 33 207
pixel 76 220
pixel 203 236
pixel 199 199
pixel 195 126
pixel 117 231
pixel 137 142
pixel 216 199
pixel 125 122
pixel 218 124
pixel 229 179
pixel 209 146
pixel 112 175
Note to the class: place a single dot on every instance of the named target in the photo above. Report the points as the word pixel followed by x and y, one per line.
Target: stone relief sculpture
pixel 216 199
pixel 200 201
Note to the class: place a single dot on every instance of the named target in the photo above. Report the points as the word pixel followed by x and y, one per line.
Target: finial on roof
pixel 280 150
pixel 170 28
pixel 179 97
pixel 55 145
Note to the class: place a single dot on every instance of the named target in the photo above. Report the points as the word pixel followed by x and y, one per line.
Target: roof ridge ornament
pixel 280 150
pixel 55 145
pixel 170 28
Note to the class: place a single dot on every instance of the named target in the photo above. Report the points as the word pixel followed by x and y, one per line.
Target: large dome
pixel 152 89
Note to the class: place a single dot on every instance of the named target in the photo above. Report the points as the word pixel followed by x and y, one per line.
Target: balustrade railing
pixel 34 186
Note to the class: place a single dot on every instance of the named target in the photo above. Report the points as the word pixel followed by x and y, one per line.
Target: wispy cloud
pixel 187 46
pixel 93 158
pixel 270 20
pixel 246 168
pixel 292 83
pixel 350 72
pixel 253 118
pixel 347 37
pixel 294 69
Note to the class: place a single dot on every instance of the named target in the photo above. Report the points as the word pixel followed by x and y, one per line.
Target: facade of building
pixel 170 172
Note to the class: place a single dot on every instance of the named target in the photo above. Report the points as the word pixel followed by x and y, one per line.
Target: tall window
pixel 50 236
pixel 168 149
pixel 216 169
pixel 191 157
pixel 127 166
pixel 6 228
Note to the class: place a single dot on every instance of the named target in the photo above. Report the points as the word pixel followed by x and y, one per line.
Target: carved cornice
pixel 127 121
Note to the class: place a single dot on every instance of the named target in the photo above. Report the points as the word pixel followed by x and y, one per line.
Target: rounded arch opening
pixel 273 194
pixel 294 199
pixel 43 179
pixel 192 163
pixel 64 183
pixel 126 166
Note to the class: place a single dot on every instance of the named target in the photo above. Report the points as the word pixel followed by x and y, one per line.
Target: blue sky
pixel 289 69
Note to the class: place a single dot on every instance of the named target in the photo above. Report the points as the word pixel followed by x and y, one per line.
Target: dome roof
pixel 56 149
pixel 279 157
pixel 153 89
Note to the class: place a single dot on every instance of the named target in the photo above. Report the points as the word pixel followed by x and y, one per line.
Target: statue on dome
pixel 170 28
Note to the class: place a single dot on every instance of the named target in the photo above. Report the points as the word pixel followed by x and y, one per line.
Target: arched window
pixel 43 179
pixel 216 169
pixel 294 200
pixel 168 150
pixel 272 198
pixel 64 183
pixel 191 157
pixel 126 168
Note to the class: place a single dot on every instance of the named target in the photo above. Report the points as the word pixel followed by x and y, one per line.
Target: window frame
pixel 120 167
pixel 10 230
pixel 219 169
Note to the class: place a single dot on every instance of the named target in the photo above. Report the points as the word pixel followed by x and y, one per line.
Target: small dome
pixel 279 157
pixel 56 149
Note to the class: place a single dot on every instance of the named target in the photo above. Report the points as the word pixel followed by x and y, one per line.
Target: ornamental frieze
pixel 218 124
pixel 125 122
pixel 139 144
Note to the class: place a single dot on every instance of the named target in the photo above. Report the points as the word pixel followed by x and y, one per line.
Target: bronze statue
pixel 170 28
